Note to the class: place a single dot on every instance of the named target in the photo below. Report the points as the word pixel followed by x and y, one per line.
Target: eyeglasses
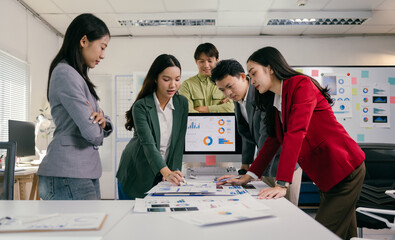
pixel 248 77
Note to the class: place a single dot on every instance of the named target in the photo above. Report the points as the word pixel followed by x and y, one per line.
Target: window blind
pixel 14 91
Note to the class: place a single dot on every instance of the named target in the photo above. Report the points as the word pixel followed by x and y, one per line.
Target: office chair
pixel 8 178
pixel 379 178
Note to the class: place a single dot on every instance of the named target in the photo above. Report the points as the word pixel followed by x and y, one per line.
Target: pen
pixel 226 179
pixel 40 218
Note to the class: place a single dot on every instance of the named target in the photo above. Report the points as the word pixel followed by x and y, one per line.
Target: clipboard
pixel 53 222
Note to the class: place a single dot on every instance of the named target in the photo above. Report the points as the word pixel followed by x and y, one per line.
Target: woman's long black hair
pixel 150 82
pixel 83 25
pixel 270 56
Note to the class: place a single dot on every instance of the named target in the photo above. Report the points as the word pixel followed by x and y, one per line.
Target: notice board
pixel 364 99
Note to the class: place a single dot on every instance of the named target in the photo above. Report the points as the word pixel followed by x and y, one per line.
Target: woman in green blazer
pixel 159 119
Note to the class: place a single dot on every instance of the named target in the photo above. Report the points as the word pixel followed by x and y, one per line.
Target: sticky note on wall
pixel 361 138
pixel 299 70
pixel 392 99
pixel 314 73
pixel 365 74
pixel 354 91
pixel 211 160
pixel 357 106
pixel 354 80
pixel 391 80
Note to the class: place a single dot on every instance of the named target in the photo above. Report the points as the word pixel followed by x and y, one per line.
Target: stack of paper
pixel 193 189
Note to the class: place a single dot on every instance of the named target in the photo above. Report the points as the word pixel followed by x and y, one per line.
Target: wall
pixel 126 55
pixel 26 38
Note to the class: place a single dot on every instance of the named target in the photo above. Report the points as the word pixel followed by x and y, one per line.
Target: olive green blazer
pixel 141 159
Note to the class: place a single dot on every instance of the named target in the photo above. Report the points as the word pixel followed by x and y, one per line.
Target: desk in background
pixel 26 184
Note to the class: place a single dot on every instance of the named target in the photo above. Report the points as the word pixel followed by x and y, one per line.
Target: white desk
pixel 116 210
pixel 288 223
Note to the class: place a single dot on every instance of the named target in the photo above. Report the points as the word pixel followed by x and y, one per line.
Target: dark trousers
pixel 337 207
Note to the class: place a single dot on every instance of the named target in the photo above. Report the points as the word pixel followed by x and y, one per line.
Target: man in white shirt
pixel 230 78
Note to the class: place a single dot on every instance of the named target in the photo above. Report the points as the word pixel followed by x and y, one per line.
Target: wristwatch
pixel 282 184
pixel 242 171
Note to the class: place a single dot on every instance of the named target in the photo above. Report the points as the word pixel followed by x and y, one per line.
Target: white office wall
pixel 26 38
pixel 126 55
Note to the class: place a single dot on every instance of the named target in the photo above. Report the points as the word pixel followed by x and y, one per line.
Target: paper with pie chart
pixel 340 90
pixel 375 108
pixel 210 134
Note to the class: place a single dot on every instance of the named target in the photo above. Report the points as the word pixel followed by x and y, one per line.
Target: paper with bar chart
pixel 211 133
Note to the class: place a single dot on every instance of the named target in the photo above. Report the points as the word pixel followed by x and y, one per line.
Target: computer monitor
pixel 22 133
pixel 212 134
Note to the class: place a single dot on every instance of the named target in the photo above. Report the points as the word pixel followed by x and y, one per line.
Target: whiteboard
pixel 364 99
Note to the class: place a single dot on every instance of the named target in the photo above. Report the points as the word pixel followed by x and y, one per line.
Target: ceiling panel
pixel 369 29
pixel 282 5
pixel 381 18
pixel 111 20
pixel 315 30
pixel 58 21
pixel 194 30
pixel 238 31
pixel 167 15
pixel 353 4
pixel 137 6
pixel 151 31
pixel 227 19
pixel 283 30
pixel 387 5
pixel 84 6
pixel 119 31
pixel 190 5
pixel 43 6
pixel 245 5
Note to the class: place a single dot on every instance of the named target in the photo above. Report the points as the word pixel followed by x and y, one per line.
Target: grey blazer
pixel 73 151
pixel 253 132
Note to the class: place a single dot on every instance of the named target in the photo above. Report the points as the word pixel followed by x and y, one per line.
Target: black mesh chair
pixel 380 176
pixel 7 192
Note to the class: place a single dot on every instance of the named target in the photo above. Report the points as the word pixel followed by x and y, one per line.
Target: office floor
pixel 384 234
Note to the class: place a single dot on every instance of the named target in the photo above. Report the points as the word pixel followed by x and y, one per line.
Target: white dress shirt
pixel 165 118
pixel 243 108
pixel 277 104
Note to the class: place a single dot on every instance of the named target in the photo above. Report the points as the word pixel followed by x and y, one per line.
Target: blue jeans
pixel 63 188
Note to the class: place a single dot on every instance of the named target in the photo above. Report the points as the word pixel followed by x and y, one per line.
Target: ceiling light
pixel 319 21
pixel 168 22
pixel 317 18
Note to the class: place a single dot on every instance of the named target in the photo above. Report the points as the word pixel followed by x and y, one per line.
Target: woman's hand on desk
pixel 234 179
pixel 174 177
pixel 274 192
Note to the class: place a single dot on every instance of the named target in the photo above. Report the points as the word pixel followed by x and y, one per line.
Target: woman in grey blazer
pixel 72 168
pixel 159 119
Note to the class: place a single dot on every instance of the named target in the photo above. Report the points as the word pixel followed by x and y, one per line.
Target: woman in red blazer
pixel 299 117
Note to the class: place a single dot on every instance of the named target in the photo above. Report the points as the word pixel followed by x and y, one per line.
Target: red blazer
pixel 310 135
